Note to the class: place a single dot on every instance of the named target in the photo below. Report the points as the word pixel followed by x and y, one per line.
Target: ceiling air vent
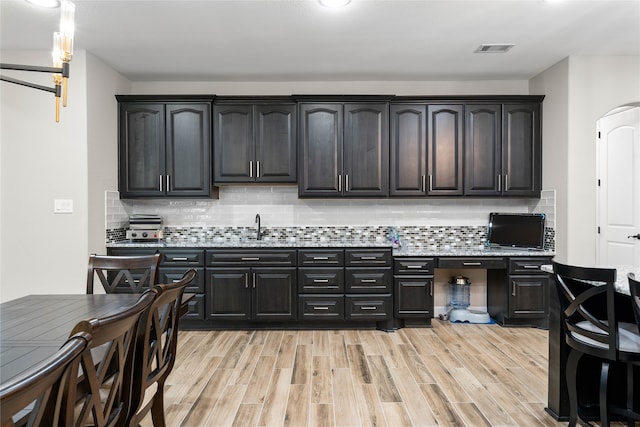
pixel 494 48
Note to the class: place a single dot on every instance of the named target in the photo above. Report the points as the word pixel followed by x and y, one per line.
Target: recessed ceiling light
pixel 45 3
pixel 335 3
pixel 494 48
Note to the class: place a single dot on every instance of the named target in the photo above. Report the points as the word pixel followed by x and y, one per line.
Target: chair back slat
pixel 34 398
pixel 100 395
pixel 586 297
pixel 634 290
pixel 123 274
pixel 156 349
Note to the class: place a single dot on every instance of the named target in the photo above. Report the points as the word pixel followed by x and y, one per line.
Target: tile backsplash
pixel 285 215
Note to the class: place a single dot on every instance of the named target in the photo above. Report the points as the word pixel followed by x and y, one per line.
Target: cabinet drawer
pixel 473 262
pixel 414 265
pixel 368 280
pixel 174 274
pixel 321 280
pixel 527 265
pixel 182 257
pixel 321 307
pixel 195 308
pixel 375 257
pixel 320 257
pixel 368 307
pixel 251 257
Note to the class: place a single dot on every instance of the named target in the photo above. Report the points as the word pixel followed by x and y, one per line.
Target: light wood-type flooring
pixel 448 375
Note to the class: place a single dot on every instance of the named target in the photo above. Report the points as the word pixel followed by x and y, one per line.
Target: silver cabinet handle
pixel 175 281
pixel 254 280
pixel 320 258
pixel 471 263
pixel 532 267
pixel 161 182
pixel 250 258
pixel 258 169
pixel 320 280
pixel 368 281
pixel 250 168
pixel 246 280
pixel 430 182
pixel 368 308
pixel 431 288
pixel 320 308
pixel 346 182
pixel 368 258
pixel 168 183
pixel 413 266
pixel 423 183
pixel 339 182
pixel 179 259
pixel 513 288
pixel 499 182
pixel 506 182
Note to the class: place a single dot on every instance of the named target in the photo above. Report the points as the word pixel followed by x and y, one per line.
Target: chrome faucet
pixel 259 233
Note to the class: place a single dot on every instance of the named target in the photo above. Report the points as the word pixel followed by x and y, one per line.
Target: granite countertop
pixel 417 250
pixel 622 271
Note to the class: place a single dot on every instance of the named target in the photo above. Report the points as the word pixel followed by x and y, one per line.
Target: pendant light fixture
pixel 62 54
pixel 334 3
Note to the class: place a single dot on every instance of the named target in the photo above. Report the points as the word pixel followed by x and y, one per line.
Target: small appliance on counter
pixel 145 227
pixel 460 287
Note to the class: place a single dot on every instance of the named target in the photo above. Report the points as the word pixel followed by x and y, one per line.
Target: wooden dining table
pixel 34 327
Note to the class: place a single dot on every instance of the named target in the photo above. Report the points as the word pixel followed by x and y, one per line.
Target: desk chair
pixel 100 392
pixel 156 351
pixel 591 328
pixel 123 274
pixel 34 398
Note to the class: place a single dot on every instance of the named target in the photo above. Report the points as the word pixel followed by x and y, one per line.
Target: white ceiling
pixel 299 40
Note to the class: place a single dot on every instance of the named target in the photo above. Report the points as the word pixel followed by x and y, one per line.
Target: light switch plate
pixel 63 206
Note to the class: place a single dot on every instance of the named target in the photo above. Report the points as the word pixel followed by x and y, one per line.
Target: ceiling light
pixel 45 3
pixel 494 48
pixel 335 3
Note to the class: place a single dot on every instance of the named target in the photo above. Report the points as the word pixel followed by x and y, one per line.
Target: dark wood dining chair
pixel 156 351
pixel 591 327
pixel 100 391
pixel 634 291
pixel 34 398
pixel 123 274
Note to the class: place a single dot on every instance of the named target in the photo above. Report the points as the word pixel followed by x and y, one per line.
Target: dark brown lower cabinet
pixel 413 290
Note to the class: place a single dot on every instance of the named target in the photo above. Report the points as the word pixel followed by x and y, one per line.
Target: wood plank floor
pixel 448 375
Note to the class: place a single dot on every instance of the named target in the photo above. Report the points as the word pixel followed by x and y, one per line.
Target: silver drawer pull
pixel 320 258
pixel 176 280
pixel 320 280
pixel 250 258
pixel 179 259
pixel 320 308
pixel 414 266
pixel 368 308
pixel 368 257
pixel 368 281
pixel 471 263
pixel 532 267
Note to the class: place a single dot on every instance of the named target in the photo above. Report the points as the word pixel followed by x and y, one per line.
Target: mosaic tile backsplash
pixel 287 219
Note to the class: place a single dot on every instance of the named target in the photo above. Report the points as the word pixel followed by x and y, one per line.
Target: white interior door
pixel 619 195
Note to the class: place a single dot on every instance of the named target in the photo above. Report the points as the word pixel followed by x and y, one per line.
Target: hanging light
pixel 335 3
pixel 61 55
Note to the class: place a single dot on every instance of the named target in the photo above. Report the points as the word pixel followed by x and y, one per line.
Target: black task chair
pixel 587 301
pixel 123 274
pixel 34 398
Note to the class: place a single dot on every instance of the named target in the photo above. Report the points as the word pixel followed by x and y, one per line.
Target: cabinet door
pixel 188 150
pixel 483 167
pixel 141 149
pixel 276 154
pixel 228 295
pixel 274 293
pixel 408 150
pixel 413 296
pixel 366 150
pixel 528 296
pixel 233 143
pixel 521 150
pixel 444 150
pixel 320 150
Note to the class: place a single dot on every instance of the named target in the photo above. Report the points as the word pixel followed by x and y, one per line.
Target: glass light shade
pixel 335 3
pixel 67 29
pixel 56 54
pixel 45 3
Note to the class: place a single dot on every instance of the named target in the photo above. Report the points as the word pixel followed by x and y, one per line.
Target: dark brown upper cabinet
pixel 255 142
pixel 344 149
pixel 427 149
pixel 164 146
pixel 503 150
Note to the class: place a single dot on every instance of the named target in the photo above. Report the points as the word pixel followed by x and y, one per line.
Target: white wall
pixel 579 91
pixel 42 160
pixel 102 143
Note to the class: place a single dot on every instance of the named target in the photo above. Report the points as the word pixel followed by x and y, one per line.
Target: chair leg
pixel 157 407
pixel 572 368
pixel 604 380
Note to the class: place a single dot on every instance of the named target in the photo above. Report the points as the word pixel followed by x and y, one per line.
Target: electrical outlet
pixel 61 206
